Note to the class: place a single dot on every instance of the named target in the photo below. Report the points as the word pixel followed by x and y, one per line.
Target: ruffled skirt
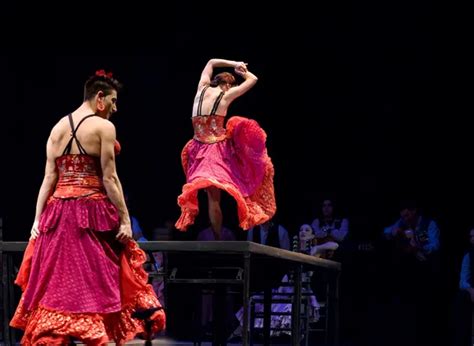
pixel 238 165
pixel 79 281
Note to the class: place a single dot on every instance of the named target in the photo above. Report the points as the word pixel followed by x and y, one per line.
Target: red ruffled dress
pixel 77 279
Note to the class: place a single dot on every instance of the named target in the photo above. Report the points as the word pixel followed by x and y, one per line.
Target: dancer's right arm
pixel 47 186
pixel 111 180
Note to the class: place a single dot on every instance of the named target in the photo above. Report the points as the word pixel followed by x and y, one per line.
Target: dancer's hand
pixel 240 68
pixel 34 230
pixel 125 233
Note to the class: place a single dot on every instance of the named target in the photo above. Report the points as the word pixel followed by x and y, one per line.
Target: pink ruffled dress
pixel 233 159
pixel 77 279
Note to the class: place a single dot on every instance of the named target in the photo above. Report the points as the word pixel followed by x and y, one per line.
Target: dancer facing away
pixel 82 275
pixel 232 158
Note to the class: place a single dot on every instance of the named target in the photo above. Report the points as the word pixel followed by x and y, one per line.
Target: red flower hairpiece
pixel 102 73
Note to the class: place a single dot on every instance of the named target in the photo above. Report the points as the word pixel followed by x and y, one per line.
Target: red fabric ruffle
pixel 44 326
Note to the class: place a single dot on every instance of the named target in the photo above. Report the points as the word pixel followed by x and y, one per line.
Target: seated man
pixel 271 234
pixel 413 267
pixel 413 234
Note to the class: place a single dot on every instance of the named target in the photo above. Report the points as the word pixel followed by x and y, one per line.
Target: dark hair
pixel 336 213
pixel 100 82
pixel 223 78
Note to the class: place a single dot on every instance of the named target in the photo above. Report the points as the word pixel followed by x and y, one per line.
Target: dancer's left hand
pixel 34 230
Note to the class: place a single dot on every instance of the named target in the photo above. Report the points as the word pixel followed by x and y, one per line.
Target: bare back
pixel 210 95
pixel 88 134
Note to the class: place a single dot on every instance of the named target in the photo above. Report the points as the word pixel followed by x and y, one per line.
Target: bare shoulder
pixel 105 126
pixel 201 87
pixel 60 128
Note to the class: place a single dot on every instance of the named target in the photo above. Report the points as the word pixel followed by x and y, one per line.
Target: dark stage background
pixel 350 97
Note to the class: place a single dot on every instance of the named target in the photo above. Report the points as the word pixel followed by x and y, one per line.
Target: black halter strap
pixel 67 149
pixel 199 110
pixel 214 107
pixel 216 103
